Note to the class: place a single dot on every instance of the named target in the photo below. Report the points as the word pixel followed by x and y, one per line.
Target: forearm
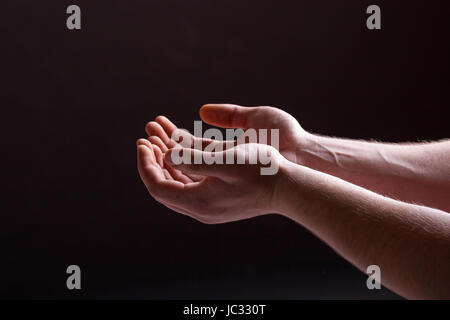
pixel 418 173
pixel 411 244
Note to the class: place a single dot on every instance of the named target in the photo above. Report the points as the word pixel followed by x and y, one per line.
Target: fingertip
pixel 160 118
pixel 143 148
pixel 213 104
pixel 156 141
pixel 153 128
pixel 206 109
pixel 156 148
pixel 140 148
pixel 202 110
pixel 143 142
pixel 220 114
pixel 162 121
pixel 146 154
pixel 147 128
pixel 150 124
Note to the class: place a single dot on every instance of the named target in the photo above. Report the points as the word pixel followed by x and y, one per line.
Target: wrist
pixel 287 187
pixel 320 153
pixel 305 149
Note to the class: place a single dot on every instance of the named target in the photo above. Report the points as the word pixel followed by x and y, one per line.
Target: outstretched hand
pixel 210 193
pixel 292 136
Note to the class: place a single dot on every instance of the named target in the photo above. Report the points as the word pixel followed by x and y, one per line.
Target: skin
pixel 409 242
pixel 212 198
pixel 416 173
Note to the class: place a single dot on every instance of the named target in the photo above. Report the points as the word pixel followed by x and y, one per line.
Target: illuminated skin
pixel 214 197
pixel 416 173
pixel 410 243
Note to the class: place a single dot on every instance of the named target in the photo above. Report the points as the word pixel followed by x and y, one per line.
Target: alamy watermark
pixel 374 279
pixel 74 280
pixel 219 151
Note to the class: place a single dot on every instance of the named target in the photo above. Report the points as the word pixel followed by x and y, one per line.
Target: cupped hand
pixel 292 136
pixel 224 193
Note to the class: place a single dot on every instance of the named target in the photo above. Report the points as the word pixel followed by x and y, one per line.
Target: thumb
pixel 199 162
pixel 226 115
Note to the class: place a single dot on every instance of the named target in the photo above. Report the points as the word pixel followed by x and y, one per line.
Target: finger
pixel 186 139
pixel 150 156
pixel 182 137
pixel 148 166
pixel 178 175
pixel 166 124
pixel 192 142
pixel 226 115
pixel 169 172
pixel 176 136
pixel 195 162
pixel 154 129
pixel 218 144
pixel 155 181
pixel 157 141
pixel 158 155
pixel 144 142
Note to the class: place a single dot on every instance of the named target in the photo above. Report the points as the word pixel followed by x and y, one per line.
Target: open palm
pixel 222 188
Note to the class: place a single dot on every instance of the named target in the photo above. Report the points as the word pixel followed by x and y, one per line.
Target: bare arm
pixel 416 173
pixel 410 243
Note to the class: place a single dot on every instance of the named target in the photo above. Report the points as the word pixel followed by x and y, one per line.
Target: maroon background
pixel 74 102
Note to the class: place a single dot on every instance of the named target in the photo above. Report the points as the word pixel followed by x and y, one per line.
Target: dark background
pixel 73 104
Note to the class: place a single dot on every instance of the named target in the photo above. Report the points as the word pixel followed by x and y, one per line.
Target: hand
pixel 292 135
pixel 227 192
